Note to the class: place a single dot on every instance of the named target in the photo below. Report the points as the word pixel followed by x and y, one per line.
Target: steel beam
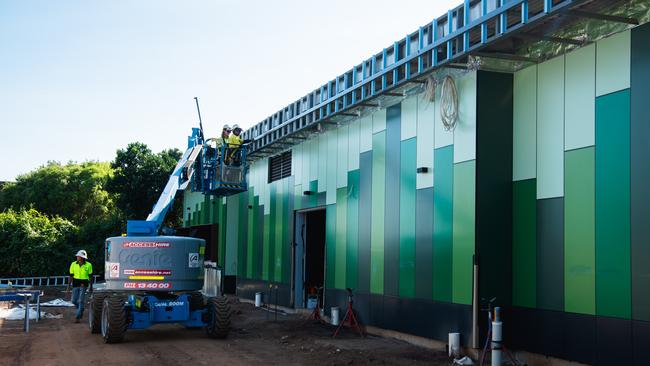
pixel 605 17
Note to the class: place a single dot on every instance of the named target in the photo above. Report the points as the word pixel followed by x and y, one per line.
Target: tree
pixel 72 191
pixel 139 178
pixel 33 244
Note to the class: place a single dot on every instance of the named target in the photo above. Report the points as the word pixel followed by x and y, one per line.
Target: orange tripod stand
pixel 350 317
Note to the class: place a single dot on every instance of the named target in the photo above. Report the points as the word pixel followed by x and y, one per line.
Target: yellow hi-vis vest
pixel 81 272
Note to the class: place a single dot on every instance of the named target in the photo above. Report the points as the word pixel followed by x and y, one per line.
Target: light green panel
pixel 324 155
pixel 191 200
pixel 465 131
pixel 550 129
pixel 341 237
pixel 524 139
pixel 579 232
pixel 296 164
pixel 377 214
pixel 297 196
pixel 265 247
pixel 379 121
pixel 353 146
pixel 365 133
pixel 613 63
pixel 408 122
pixel 330 246
pixel 425 122
pixel 313 160
pixel 250 238
pixel 342 155
pixel 232 236
pixel 442 137
pixel 464 231
pixel 332 162
pixel 580 99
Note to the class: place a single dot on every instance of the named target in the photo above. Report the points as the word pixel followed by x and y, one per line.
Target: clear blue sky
pixel 81 78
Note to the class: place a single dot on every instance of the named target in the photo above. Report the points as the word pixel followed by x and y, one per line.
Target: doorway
pixel 309 255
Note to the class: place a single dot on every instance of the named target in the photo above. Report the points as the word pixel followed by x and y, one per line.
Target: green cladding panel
pixel 464 230
pixel 341 237
pixel 407 218
pixel 330 246
pixel 613 296
pixel 579 232
pixel 378 205
pixel 524 243
pixel 352 241
pixel 443 187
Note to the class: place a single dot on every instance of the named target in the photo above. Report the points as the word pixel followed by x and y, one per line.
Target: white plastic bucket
pixel 258 299
pixel 454 344
pixel 312 302
pixel 335 315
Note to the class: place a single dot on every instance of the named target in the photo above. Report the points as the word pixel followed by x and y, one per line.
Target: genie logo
pixel 153 258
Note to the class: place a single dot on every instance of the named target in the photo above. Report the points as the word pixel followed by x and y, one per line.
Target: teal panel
pixel 341 237
pixel 279 231
pixel 524 243
pixel 443 188
pixel 352 241
pixel 579 232
pixel 378 206
pixel 407 218
pixel 613 297
pixel 464 226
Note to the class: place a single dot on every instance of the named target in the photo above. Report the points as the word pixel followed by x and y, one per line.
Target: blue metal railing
pixel 466 28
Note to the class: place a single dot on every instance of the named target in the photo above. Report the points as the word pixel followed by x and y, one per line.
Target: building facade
pixel 542 186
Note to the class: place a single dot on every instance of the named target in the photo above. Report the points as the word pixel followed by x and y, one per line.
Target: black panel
pixel 391 223
pixel 579 337
pixel 640 172
pixel 365 207
pixel 229 284
pixel 494 185
pixel 613 341
pixel 550 253
pixel 641 340
pixel 424 243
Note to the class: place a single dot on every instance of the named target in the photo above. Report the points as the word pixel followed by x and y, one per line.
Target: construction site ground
pixel 256 338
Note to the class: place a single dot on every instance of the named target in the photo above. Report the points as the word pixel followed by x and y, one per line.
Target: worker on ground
pixel 234 143
pixel 81 278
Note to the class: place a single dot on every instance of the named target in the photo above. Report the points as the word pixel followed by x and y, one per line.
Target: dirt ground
pixel 256 338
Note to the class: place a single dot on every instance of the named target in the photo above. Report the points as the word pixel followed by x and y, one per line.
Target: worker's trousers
pixel 79 299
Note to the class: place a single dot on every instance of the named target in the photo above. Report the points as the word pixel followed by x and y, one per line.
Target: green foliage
pixel 73 191
pixel 50 213
pixel 140 177
pixel 33 244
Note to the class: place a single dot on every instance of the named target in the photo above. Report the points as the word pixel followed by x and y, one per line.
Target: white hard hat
pixel 82 253
pixel 226 127
pixel 235 126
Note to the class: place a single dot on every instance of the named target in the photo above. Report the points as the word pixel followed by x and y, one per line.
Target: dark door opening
pixel 209 233
pixel 309 255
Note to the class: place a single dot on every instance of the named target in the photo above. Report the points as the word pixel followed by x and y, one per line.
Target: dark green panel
pixel 550 253
pixel 266 250
pixel 613 293
pixel 352 248
pixel 392 219
pixel 223 220
pixel 524 243
pixel 279 230
pixel 579 231
pixel 330 246
pixel 250 239
pixel 443 184
pixel 640 171
pixel 258 234
pixel 424 243
pixel 494 164
pixel 288 231
pixel 272 191
pixel 407 207
pixel 365 220
pixel 242 225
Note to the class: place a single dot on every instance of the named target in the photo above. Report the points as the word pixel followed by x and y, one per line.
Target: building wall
pixel 573 168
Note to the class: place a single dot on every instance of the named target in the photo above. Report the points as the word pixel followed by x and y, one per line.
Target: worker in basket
pixel 220 142
pixel 81 278
pixel 233 155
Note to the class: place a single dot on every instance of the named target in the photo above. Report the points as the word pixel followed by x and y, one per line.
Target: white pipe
pixel 335 315
pixel 258 299
pixel 475 305
pixel 454 344
pixel 497 337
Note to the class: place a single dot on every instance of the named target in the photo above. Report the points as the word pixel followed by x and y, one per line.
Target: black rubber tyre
pixel 95 311
pixel 196 301
pixel 114 319
pixel 218 317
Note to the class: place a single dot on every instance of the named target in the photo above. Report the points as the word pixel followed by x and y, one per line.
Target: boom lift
pixel 153 278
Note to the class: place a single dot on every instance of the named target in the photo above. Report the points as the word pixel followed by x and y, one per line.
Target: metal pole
pixel 26 326
pixel 475 307
pixel 196 99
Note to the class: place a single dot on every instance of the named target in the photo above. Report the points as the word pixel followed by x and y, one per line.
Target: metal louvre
pixel 280 166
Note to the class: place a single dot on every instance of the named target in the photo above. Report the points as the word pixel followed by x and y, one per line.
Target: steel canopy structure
pixel 486 28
